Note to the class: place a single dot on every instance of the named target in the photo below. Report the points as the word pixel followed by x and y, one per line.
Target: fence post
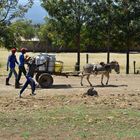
pixel 87 58
pixel 134 62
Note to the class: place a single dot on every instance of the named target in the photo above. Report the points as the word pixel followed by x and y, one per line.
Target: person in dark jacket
pixel 12 61
pixel 21 65
pixel 29 76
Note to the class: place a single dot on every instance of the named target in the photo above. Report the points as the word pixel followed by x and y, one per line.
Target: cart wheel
pixel 45 80
pixel 37 76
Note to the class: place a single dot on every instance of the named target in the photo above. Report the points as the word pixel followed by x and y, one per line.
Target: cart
pixel 44 76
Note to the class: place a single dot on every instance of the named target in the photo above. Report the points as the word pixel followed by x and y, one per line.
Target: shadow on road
pixel 61 86
pixel 110 86
pixel 68 86
pixel 102 86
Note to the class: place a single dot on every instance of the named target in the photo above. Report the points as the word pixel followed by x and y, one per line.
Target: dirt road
pixel 122 91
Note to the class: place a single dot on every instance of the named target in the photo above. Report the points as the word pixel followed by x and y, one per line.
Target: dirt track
pixel 123 91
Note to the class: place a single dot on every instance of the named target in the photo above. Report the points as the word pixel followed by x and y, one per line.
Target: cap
pixel 13 50
pixel 23 50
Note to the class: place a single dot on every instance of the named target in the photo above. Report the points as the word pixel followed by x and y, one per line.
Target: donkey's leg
pixel 88 76
pixel 107 75
pixel 102 77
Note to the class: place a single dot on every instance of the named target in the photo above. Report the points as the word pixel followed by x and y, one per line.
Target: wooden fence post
pixel 87 58
pixel 134 62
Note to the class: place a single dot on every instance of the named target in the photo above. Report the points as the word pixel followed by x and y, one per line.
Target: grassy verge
pixel 71 122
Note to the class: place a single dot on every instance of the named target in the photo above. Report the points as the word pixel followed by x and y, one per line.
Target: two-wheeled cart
pixel 44 74
pixel 45 79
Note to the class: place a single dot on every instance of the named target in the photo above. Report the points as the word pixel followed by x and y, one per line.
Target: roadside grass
pixel 70 59
pixel 72 122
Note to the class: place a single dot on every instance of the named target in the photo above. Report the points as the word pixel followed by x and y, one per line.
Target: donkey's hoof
pixel 102 84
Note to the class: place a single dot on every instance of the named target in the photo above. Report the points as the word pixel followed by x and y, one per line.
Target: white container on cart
pixel 40 59
pixel 51 64
pixel 37 60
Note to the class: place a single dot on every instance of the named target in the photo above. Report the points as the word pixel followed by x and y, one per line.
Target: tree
pixel 51 32
pixel 70 16
pixel 7 37
pixel 22 28
pixel 102 26
pixel 128 23
pixel 116 22
pixel 10 10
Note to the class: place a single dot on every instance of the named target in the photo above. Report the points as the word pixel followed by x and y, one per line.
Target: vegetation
pixel 105 23
pixel 9 11
pixel 22 30
pixel 130 28
pixel 72 121
pixel 69 17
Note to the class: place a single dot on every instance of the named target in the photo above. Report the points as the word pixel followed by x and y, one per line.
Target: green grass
pixel 25 135
pixel 72 122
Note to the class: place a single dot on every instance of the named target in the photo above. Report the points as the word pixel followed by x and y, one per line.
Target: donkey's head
pixel 115 65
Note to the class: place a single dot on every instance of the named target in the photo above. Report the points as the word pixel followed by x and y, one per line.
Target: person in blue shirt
pixel 21 65
pixel 29 76
pixel 11 63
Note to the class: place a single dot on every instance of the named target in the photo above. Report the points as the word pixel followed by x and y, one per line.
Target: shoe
pixel 7 82
pixel 17 84
pixel 20 83
pixel 33 94
pixel 20 95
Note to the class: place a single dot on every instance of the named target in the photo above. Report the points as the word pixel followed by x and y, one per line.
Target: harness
pixel 103 68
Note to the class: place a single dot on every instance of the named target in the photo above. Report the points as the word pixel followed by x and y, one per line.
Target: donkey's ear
pixel 113 61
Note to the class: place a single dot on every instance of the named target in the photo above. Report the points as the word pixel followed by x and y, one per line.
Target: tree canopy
pixel 103 23
pixel 9 11
pixel 69 16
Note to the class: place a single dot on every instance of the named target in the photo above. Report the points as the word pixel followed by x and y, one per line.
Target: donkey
pixel 102 68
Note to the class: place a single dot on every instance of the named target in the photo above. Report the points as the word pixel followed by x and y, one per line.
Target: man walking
pixel 12 61
pixel 21 65
pixel 30 74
